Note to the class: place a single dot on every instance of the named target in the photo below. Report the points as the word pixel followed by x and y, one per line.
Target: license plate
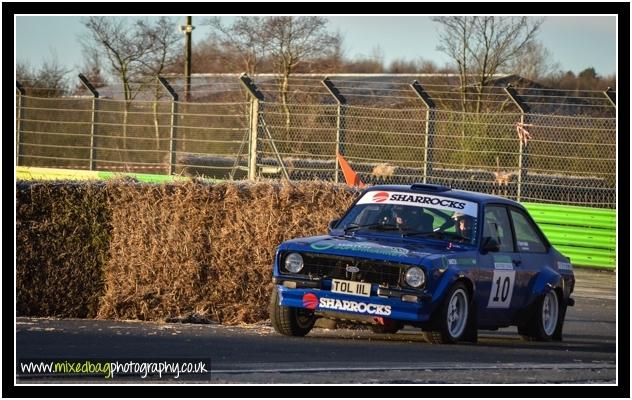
pixel 351 287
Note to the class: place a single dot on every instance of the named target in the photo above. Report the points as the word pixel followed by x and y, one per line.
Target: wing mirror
pixel 490 245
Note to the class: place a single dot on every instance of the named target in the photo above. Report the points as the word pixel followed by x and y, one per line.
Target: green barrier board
pixel 586 235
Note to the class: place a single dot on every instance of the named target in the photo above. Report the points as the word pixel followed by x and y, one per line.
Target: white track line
pixel 424 367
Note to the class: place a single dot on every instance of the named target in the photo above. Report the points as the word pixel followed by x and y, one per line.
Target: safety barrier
pixel 35 173
pixel 586 235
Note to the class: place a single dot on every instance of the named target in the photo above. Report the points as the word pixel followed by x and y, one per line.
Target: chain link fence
pixel 387 131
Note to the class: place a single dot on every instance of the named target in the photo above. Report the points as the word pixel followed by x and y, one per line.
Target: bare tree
pixel 165 40
pixel 534 62
pixel 243 38
pixel 23 72
pixel 335 60
pixel 427 66
pixel 50 80
pixel 482 46
pixel 137 51
pixel 402 66
pixel 206 57
pixel 377 54
pixel 92 69
pixel 328 63
pixel 292 41
pixel 588 79
pixel 124 46
pixel 454 39
pixel 364 66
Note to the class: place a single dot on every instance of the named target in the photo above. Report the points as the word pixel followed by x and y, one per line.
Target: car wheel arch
pixel 455 279
pixel 450 277
pixel 468 284
pixel 545 280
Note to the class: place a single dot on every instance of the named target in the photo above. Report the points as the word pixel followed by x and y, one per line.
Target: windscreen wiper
pixel 378 226
pixel 437 234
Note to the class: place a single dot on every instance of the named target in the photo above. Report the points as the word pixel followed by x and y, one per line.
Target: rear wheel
pixel 451 320
pixel 545 323
pixel 290 321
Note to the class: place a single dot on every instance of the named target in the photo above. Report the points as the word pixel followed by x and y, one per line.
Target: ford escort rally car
pixel 447 261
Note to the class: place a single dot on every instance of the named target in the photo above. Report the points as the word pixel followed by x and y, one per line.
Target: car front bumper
pixel 323 300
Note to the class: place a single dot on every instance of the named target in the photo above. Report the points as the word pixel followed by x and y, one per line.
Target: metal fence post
pixel 174 109
pixel 254 138
pixel 340 121
pixel 21 93
pixel 611 96
pixel 523 150
pixel 430 127
pixel 95 97
pixel 255 97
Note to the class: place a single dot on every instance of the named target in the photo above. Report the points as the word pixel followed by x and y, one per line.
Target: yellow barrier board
pixel 36 173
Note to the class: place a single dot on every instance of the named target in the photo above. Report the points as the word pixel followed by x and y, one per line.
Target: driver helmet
pixel 405 215
pixel 463 223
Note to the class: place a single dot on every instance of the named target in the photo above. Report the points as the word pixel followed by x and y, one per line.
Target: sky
pixel 575 42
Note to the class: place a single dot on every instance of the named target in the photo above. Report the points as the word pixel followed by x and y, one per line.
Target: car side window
pixel 527 237
pixel 497 227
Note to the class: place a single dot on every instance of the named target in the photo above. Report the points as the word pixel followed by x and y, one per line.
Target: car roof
pixel 439 190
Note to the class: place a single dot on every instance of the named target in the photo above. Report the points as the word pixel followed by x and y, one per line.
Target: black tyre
pixel 557 336
pixel 451 319
pixel 290 321
pixel 546 322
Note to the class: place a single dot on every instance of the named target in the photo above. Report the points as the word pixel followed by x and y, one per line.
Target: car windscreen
pixel 413 214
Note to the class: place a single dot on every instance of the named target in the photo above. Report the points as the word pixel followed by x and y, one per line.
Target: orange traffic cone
pixel 351 177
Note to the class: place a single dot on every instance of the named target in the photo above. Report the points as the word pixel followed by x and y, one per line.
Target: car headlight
pixel 415 277
pixel 294 262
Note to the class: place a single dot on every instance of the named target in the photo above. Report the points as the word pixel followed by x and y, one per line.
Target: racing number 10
pixel 502 289
pixel 505 291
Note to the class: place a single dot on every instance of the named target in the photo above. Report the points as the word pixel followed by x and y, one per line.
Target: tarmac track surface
pixel 256 354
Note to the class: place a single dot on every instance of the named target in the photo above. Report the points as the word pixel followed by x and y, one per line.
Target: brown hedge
pixel 187 248
pixel 206 249
pixel 62 243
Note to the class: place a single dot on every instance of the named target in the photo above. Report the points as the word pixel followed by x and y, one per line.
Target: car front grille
pixel 372 271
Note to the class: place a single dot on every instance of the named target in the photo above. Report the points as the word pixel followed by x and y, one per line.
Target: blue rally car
pixel 447 261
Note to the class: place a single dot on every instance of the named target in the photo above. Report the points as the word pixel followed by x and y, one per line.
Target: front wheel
pixel 452 318
pixel 290 321
pixel 544 325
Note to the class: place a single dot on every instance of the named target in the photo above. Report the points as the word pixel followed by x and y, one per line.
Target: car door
pixel 533 249
pixel 496 283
